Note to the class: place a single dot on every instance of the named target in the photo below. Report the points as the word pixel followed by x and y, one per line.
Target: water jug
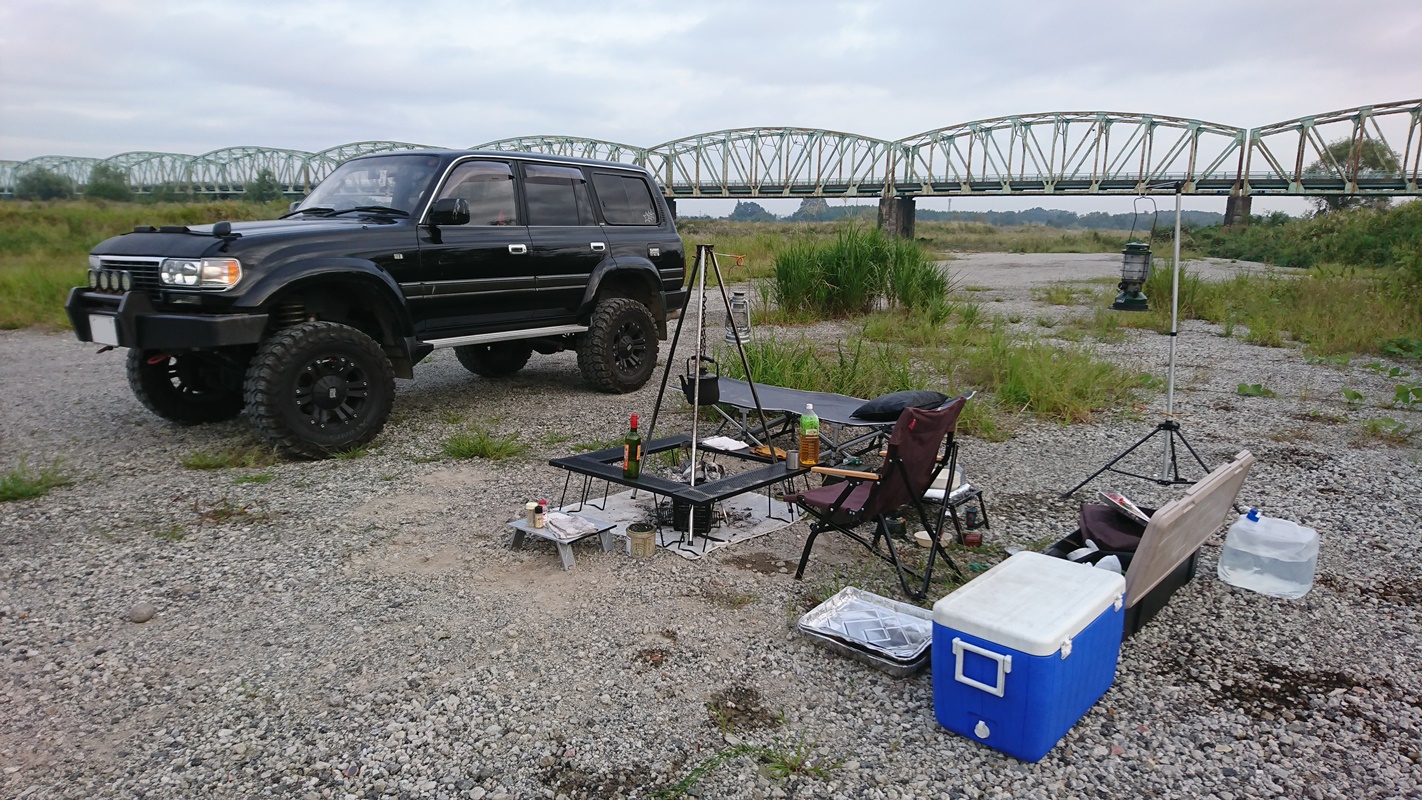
pixel 1270 556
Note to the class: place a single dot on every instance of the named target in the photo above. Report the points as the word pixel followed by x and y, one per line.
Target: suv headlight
pixel 201 273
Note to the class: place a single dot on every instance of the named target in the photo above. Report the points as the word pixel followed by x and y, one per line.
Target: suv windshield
pixel 393 181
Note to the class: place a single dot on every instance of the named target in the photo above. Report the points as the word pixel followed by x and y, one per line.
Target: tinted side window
pixel 556 196
pixel 488 187
pixel 625 199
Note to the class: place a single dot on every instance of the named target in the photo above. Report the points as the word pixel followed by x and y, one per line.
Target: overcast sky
pixel 103 77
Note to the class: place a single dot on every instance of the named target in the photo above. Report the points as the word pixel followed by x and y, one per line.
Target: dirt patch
pixel 573 782
pixel 738 708
pixel 763 563
pixel 1395 592
pixel 720 594
pixel 653 657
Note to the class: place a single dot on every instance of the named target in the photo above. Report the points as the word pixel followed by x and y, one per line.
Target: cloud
pixel 101 77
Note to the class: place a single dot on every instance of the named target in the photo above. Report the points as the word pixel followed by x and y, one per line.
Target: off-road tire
pixel 181 387
pixel 495 360
pixel 618 353
pixel 319 388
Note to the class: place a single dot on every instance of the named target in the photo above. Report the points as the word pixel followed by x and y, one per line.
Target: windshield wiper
pixel 371 210
pixel 322 210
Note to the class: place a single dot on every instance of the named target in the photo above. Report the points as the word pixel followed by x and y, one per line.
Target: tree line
pixel 108 182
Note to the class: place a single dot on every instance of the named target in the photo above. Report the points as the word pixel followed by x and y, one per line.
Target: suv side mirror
pixel 449 211
pixel 292 207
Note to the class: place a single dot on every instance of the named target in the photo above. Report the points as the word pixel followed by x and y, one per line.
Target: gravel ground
pixel 359 628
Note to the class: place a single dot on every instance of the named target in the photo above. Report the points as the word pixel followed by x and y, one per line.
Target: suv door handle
pixel 598 247
pixel 518 249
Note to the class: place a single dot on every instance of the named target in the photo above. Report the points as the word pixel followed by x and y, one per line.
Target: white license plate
pixel 103 330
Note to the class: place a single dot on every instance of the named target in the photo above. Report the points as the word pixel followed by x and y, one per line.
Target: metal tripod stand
pixel 1170 466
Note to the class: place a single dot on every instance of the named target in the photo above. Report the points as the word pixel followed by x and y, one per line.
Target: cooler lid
pixel 1179 527
pixel 1031 602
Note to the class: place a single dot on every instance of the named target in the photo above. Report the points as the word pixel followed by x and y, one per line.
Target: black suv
pixel 306 321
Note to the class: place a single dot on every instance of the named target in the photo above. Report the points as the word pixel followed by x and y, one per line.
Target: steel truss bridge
pixel 1058 153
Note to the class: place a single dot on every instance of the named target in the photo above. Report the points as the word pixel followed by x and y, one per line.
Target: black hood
pixel 197 240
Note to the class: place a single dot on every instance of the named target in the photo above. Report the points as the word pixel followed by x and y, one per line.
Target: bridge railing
pixel 1366 150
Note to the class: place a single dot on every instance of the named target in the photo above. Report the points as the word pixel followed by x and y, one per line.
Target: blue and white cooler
pixel 1022 651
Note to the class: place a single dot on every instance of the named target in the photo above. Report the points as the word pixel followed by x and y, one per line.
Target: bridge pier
pixel 1237 211
pixel 896 216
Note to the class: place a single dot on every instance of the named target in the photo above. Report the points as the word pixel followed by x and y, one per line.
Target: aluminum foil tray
pixel 876 625
pixel 896 669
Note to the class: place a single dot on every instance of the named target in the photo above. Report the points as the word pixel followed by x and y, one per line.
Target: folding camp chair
pixel 920 446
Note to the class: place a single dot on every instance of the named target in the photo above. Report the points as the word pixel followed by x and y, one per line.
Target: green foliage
pixel 1370 155
pixel 479 442
pixel 853 273
pixel 1388 431
pixel 1255 390
pixel 107 182
pixel 263 189
pixel 1352 396
pixel 243 456
pixel 25 482
pixel 746 211
pixel 43 184
pixel 1389 238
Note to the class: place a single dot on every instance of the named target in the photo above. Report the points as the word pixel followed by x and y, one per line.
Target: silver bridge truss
pixel 1057 153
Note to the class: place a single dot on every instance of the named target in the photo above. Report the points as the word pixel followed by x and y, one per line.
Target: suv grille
pixel 143 269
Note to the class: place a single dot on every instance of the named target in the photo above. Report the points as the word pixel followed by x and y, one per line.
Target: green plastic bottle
pixel 809 437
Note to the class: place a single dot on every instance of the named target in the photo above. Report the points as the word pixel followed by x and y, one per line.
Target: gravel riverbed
pixel 359 628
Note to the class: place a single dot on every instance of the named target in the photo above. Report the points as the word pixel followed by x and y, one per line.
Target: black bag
pixel 1110 529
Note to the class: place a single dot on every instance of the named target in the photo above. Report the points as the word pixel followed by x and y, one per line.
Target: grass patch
pixel 719 594
pixel 784 758
pixel 25 482
pixel 1332 311
pixel 246 456
pixel 259 478
pixel 479 442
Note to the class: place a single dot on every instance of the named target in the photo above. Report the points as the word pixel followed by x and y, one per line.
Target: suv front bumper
pixel 137 323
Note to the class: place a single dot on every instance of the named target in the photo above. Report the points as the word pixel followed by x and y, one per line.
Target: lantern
pixel 1135 271
pixel 738 323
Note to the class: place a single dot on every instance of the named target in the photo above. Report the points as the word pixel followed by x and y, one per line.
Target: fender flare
pixel 357 271
pixel 640 268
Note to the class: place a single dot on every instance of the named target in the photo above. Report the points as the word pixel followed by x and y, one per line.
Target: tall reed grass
pixel 854 273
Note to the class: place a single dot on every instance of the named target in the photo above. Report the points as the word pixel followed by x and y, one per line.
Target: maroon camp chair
pixel 920 446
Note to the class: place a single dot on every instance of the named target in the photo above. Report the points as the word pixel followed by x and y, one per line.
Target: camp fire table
pixel 607 465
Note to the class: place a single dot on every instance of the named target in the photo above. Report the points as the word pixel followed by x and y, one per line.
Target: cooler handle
pixel 1004 666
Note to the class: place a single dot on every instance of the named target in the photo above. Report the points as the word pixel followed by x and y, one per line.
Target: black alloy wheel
pixel 619 351
pixel 319 388
pixel 185 388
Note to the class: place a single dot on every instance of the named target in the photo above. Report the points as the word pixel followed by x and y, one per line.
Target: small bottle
pixel 540 514
pixel 632 452
pixel 809 437
pixel 970 517
pixel 530 510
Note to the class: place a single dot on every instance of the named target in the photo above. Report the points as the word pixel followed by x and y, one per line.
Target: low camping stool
pixel 920 446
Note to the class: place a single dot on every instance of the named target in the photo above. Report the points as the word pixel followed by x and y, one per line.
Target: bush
pixel 108 182
pixel 43 184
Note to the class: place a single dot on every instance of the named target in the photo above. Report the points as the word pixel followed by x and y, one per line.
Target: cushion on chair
pixel 823 497
pixel 888 407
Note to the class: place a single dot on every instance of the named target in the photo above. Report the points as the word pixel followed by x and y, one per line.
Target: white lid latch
pixel 1120 601
pixel 1066 648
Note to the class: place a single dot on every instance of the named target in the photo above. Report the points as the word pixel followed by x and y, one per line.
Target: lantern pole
pixel 1170 467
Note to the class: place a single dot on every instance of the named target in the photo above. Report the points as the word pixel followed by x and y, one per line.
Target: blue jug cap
pixel 1253 515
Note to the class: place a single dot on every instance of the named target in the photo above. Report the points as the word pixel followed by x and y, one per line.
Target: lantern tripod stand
pixel 1170 466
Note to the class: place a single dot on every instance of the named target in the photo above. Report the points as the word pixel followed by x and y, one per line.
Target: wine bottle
pixel 632 452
